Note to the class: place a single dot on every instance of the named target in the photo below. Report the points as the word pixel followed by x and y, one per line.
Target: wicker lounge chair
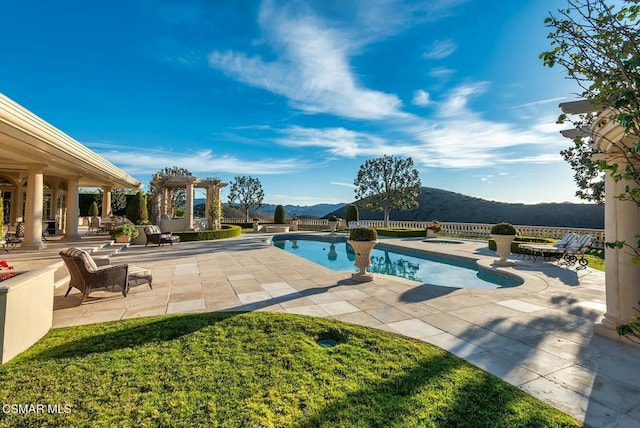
pixel 156 236
pixel 88 274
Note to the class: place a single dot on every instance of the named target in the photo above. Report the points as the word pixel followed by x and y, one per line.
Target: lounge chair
pixel 88 274
pixel 571 252
pixel 535 250
pixel 156 236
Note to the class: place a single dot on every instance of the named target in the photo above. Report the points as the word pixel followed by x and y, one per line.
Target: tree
pixel 118 199
pixel 388 182
pixel 246 192
pixel 352 213
pixel 93 209
pixel 176 195
pixel 137 210
pixel 599 47
pixel 279 215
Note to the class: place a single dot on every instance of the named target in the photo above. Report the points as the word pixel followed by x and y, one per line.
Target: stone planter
pixel 363 259
pixel 503 248
pixel 333 225
pixel 256 225
pixel 294 225
pixel 122 239
pixel 142 237
pixel 26 311
pixel 431 234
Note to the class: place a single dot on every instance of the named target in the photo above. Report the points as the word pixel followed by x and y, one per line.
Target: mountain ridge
pixel 444 205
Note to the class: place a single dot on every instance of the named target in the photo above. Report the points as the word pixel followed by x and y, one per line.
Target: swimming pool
pixel 335 253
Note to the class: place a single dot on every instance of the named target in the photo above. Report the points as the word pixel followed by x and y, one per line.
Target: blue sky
pixel 300 93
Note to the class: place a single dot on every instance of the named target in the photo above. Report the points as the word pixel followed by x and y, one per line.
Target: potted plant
pixel 433 229
pixel 333 223
pixel 124 233
pixel 362 240
pixel 504 234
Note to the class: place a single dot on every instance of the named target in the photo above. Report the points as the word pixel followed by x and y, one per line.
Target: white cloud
pixel 339 183
pixel 203 162
pixel 441 72
pixel 311 69
pixel 440 49
pixel 539 102
pixel 421 98
pixel 337 141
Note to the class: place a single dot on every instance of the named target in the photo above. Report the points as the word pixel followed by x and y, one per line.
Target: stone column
pixel 33 214
pixel 189 207
pixel 106 201
pixel 73 209
pixel 622 221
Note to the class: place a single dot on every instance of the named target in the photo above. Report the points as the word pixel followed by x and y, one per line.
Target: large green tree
pixel 246 192
pixel 597 42
pixel 388 182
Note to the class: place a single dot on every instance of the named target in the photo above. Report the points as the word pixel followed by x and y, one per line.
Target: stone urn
pixel 294 224
pixel 256 224
pixel 503 234
pixel 362 240
pixel 333 224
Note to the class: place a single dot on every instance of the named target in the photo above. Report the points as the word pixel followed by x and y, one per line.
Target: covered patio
pixel 41 172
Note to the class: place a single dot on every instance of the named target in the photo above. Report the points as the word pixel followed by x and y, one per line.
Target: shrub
pixel 333 218
pixel 400 233
pixel 93 209
pixel 279 215
pixel 180 212
pixel 137 209
pixel 503 229
pixel 352 213
pixel 227 231
pixel 363 234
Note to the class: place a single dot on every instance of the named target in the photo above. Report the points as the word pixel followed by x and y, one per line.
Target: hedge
pixel 401 233
pixel 227 231
pixel 515 245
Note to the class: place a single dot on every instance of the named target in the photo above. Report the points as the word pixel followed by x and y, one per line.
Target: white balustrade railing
pixel 477 230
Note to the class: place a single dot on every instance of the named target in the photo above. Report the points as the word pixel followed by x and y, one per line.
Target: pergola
pixel 42 170
pixel 622 218
pixel 161 185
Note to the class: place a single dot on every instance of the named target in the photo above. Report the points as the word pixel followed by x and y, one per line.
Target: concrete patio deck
pixel 537 336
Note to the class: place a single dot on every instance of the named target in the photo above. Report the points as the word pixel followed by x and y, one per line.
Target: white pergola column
pixel 73 209
pixel 106 201
pixel 33 214
pixel 622 219
pixel 189 207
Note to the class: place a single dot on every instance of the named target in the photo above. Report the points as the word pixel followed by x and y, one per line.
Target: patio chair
pixel 16 237
pixel 535 250
pixel 156 236
pixel 94 225
pixel 571 252
pixel 88 274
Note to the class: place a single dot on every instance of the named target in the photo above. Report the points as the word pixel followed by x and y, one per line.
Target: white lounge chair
pixel 535 250
pixel 571 252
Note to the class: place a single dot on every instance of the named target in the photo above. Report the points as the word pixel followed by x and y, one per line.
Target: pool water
pixel 440 270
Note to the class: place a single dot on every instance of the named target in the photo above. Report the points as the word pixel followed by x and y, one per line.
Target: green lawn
pixel 256 369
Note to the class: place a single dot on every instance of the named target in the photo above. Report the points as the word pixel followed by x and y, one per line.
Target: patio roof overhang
pixel 27 139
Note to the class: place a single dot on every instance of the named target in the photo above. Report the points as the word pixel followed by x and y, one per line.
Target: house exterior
pixel 41 172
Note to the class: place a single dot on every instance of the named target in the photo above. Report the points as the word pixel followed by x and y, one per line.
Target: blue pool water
pixel 337 254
